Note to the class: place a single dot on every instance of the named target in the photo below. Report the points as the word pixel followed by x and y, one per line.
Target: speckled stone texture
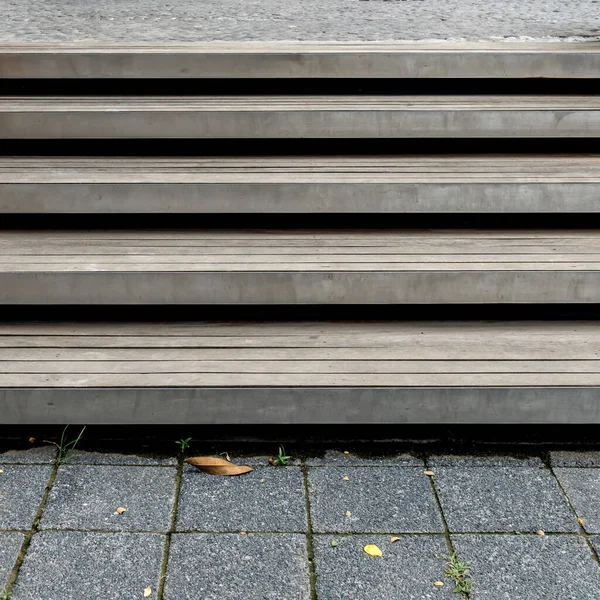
pixel 574 458
pixel 384 499
pixel 87 497
pixel 337 458
pixel 503 499
pixel 67 565
pixel 263 20
pixel 10 545
pixel 406 571
pixel 266 499
pixel 582 487
pixel 530 567
pixel 22 488
pixel 238 567
pixel 41 454
pixel 80 457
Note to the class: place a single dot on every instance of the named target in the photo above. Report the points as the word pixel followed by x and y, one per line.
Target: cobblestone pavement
pixel 529 527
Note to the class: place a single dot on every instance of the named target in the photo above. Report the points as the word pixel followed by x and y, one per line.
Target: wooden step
pixel 299 267
pixel 391 372
pixel 299 60
pixel 257 117
pixel 382 184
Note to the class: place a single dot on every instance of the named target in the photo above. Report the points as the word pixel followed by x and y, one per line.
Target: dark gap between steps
pixel 302 222
pixel 297 87
pixel 241 313
pixel 350 147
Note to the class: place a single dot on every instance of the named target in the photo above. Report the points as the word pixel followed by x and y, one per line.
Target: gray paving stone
pixel 41 454
pixel 73 565
pixel 489 460
pixel 262 461
pixel 386 499
pixel 10 545
pixel 81 457
pixel 582 487
pixel 87 497
pixel 22 488
pixel 406 571
pixel 574 458
pixel 531 567
pixel 234 567
pixel 336 458
pixel 595 539
pixel 266 499
pixel 503 499
pixel 192 21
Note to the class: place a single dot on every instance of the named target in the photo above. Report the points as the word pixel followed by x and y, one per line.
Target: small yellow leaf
pixel 540 532
pixel 438 583
pixel 346 478
pixel 147 592
pixel 394 539
pixel 32 440
pixel 334 543
pixel 217 466
pixel 346 452
pixel 429 473
pixel 372 550
pixel 348 513
pixel 580 520
pixel 121 510
pixel 1 471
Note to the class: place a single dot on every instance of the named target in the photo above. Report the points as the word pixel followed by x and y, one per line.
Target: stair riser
pixel 305 198
pixel 297 61
pixel 298 123
pixel 286 405
pixel 256 287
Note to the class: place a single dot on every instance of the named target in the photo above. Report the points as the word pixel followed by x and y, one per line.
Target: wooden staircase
pixel 127 231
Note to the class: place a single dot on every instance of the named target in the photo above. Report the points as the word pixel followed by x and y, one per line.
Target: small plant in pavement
pixel 281 460
pixel 184 444
pixel 66 449
pixel 459 572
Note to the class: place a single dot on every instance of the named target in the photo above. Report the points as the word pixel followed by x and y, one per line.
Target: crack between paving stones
pixel 165 562
pixel 582 532
pixel 14 574
pixel 447 537
pixel 312 575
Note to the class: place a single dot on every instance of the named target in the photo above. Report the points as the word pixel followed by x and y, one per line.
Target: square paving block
pixel 87 497
pixel 531 567
pixel 583 489
pixel 575 458
pixel 269 566
pixel 41 454
pixel 10 545
pixel 266 499
pixel 383 499
pixel 22 488
pixel 337 458
pixel 483 460
pixel 74 565
pixel 503 499
pixel 406 571
pixel 82 457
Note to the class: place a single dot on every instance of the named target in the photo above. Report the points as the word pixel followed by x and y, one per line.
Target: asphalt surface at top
pixel 301 20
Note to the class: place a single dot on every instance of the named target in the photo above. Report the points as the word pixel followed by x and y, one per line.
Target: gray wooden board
pixel 294 60
pixel 294 117
pixel 547 184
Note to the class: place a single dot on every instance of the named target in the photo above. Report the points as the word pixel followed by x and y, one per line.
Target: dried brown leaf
pixel 348 513
pixel 121 510
pixel 147 592
pixel 580 520
pixel 217 466
pixel 540 532
pixel 32 440
pixel 346 478
pixel 429 473
pixel 438 583
pixel 346 452
pixel 394 540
